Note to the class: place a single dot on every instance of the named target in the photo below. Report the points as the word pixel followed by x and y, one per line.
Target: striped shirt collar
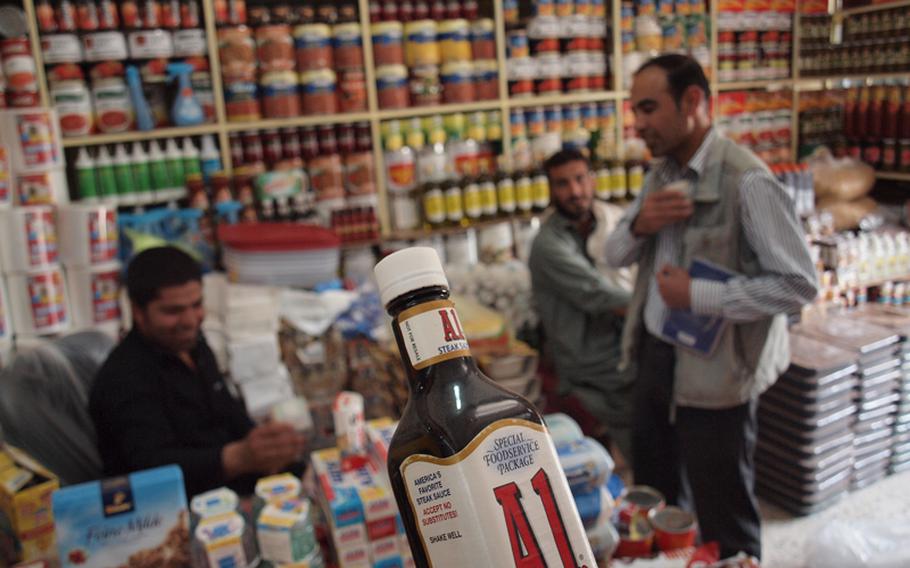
pixel 697 161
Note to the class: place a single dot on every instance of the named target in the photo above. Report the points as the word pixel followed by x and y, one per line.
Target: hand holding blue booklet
pixel 698 333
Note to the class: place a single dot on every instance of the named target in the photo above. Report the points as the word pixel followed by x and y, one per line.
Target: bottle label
pixel 432 333
pixel 501 501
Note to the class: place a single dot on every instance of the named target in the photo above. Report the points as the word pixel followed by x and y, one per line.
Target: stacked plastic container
pixel 88 251
pixel 31 182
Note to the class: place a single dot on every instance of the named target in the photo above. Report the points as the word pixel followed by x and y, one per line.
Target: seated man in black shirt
pixel 160 399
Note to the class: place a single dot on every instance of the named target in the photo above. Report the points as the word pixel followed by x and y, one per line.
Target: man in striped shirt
pixel 694 426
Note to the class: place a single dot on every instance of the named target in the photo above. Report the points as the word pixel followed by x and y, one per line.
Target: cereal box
pixel 136 520
pixel 25 499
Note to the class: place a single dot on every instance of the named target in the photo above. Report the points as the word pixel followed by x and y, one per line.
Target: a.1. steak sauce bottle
pixel 472 466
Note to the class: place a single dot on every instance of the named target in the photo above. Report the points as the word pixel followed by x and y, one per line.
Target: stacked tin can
pixel 561 48
pixel 432 53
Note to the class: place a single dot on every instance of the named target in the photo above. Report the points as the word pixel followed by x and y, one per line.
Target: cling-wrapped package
pixel 44 403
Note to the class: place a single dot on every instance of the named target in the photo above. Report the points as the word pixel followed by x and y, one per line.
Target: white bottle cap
pixel 408 270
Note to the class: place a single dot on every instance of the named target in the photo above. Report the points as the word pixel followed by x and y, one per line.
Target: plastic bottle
pixel 186 110
pixel 142 175
pixel 400 162
pixel 209 158
pixel 107 183
pixel 190 158
pixel 457 430
pixel 540 190
pixel 87 176
pixel 524 193
pixel 161 179
pixel 432 161
pixel 176 175
pixel 473 202
pixel 123 175
pixel 144 118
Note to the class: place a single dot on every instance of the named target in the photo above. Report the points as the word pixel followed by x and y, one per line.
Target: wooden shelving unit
pixel 222 128
pixel 455 229
pixel 893 176
pixel 871 8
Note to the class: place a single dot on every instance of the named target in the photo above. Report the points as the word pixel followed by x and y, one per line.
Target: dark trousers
pixel 704 459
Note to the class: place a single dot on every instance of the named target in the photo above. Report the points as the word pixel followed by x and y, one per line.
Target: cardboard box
pixel 140 519
pixel 25 498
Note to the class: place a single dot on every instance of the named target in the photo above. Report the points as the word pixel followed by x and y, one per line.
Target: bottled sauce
pixel 473 202
pixel 540 190
pixel 602 187
pixel 469 461
pixel 618 182
pixel 488 201
pixel 636 179
pixel 434 205
pixel 454 203
pixel 524 193
pixel 505 192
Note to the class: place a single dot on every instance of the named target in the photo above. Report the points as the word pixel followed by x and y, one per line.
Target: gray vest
pixel 749 356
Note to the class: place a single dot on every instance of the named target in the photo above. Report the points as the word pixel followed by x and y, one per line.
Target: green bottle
pixel 142 175
pixel 123 175
pixel 87 176
pixel 161 181
pixel 174 159
pixel 190 158
pixel 107 182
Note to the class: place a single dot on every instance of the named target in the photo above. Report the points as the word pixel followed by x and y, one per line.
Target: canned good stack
pixel 875 42
pixel 94 39
pixel 292 62
pixel 754 44
pixel 562 48
pixel 821 120
pixel 538 132
pixel 143 173
pixel 431 53
pixel 758 120
pixel 650 27
pixel 33 289
pixel 338 161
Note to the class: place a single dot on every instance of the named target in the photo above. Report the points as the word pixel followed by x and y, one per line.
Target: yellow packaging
pixel 28 507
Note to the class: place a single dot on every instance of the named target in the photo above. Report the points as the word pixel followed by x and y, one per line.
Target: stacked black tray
pixel 897 319
pixel 805 441
pixel 879 374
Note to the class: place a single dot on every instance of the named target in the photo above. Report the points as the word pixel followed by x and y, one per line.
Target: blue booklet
pixel 698 333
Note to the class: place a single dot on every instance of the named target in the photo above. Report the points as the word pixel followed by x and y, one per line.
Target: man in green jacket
pixel 581 304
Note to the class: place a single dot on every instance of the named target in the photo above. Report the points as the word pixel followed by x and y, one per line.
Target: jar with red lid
pixel 363 136
pixel 352 91
pixel 318 92
pixel 313 45
pixel 457 80
pixel 347 46
pixel 275 48
pixel 252 148
pixel 279 95
pixel 577 84
pixel 290 145
pixel 347 139
pixel 309 143
pixel 388 43
pixel 549 86
pixel 392 86
pixel 18 65
pixel 521 88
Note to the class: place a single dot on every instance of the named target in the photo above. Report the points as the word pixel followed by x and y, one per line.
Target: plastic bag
pixel 861 544
pixel 44 403
pixel 842 179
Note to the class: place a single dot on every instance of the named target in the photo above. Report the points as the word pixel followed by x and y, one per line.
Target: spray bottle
pixel 186 110
pixel 144 118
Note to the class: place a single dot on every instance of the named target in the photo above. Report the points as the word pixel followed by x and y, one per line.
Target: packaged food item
pixel 392 86
pixel 237 51
pixel 189 43
pixel 61 48
pixel 149 44
pixel 27 502
pixel 347 46
pixel 425 86
pixel 421 44
pixel 121 509
pixel 483 39
pixel 454 41
pixel 240 102
pixel 352 91
pixel 318 92
pixel 388 43
pixel 279 94
pixel 104 46
pixel 275 48
pixel 313 44
pixel 73 101
pixel 486 80
pixel 113 107
pixel 18 66
pixel 458 82
pixel 286 534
